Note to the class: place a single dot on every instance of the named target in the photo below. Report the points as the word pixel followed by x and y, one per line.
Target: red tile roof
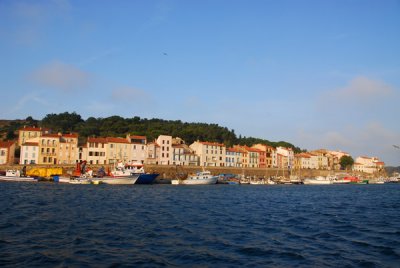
pixel 70 135
pixel 50 136
pixel 236 150
pixel 98 140
pixel 6 144
pixel 33 129
pixel 117 140
pixel 30 144
pixel 212 143
pixel 138 137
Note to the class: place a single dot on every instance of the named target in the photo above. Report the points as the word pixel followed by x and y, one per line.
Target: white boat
pixel 340 181
pixel 80 180
pixel 15 175
pixel 320 180
pixel 122 170
pixel 200 178
pixel 119 180
pixel 257 181
pixel 62 179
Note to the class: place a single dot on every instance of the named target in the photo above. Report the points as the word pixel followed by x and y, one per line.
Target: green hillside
pixel 116 126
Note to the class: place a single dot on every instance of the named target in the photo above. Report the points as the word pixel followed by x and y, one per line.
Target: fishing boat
pixel 121 170
pixel 200 178
pixel 319 180
pixel 15 175
pixel 135 170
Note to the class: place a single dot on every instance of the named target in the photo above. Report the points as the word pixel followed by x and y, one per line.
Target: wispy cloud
pixel 31 99
pixel 101 55
pixel 360 89
pixel 130 94
pixel 58 75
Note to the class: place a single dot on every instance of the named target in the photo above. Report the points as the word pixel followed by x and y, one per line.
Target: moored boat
pixel 135 170
pixel 319 180
pixel 200 178
pixel 146 178
pixel 119 180
pixel 15 175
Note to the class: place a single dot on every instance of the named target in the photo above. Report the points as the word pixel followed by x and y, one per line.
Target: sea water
pixel 63 225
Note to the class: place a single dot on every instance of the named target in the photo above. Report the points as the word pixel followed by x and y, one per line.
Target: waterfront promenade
pixel 171 171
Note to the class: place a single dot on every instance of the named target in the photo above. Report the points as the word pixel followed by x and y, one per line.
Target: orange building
pixel 7 152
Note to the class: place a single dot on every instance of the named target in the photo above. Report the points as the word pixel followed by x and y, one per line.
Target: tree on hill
pixel 64 122
pixel 346 162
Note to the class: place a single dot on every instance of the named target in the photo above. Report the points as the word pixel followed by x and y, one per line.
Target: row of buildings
pixel 40 146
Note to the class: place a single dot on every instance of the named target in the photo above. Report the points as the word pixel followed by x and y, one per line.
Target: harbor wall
pixel 174 171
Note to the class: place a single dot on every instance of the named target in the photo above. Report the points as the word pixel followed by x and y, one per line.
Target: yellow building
pixel 68 149
pixel 27 133
pixel 118 149
pixel 210 153
pixel 95 151
pixel 48 149
pixel 7 152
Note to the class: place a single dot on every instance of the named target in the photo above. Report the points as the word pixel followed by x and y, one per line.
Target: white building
pixel 29 152
pixel 138 148
pixel 285 153
pixel 233 157
pixel 368 164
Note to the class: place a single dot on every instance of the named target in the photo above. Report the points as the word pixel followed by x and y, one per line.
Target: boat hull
pixel 317 182
pixel 118 180
pixel 18 179
pixel 207 181
pixel 146 178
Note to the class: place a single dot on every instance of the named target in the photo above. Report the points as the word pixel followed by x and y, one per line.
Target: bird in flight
pixel 395 146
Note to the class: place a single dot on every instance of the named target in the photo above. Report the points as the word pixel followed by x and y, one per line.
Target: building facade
pixel 29 152
pixel 7 152
pixel 210 153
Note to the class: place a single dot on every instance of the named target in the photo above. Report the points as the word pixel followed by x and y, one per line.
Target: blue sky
pixel 318 74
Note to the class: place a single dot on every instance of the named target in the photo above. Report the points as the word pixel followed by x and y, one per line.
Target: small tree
pixel 346 162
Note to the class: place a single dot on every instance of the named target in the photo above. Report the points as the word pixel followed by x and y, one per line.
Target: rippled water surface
pixel 44 224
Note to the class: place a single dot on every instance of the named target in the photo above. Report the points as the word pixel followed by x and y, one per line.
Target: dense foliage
pixel 346 162
pixel 116 126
